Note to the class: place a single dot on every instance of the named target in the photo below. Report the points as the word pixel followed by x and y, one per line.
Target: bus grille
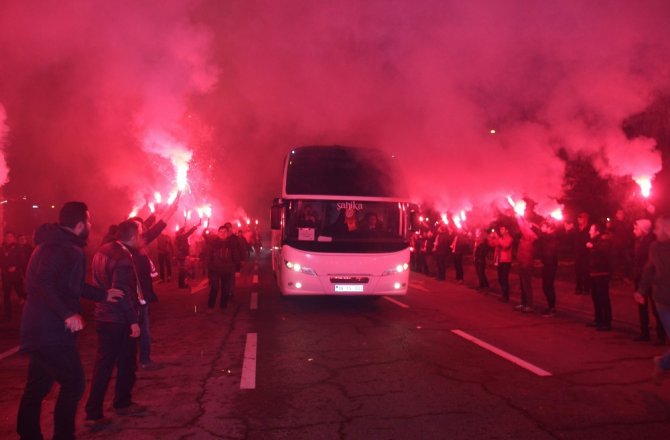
pixel 349 280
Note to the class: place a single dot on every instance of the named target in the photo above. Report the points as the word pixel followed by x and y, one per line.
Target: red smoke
pixel 239 83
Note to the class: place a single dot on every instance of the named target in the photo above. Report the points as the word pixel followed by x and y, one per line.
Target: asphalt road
pixel 269 367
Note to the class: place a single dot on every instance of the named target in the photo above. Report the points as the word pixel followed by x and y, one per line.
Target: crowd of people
pixel 51 278
pixel 635 253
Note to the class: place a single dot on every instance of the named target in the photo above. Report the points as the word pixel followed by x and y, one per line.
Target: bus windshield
pixel 345 226
pixel 338 170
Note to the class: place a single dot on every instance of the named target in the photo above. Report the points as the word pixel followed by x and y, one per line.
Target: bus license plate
pixel 348 287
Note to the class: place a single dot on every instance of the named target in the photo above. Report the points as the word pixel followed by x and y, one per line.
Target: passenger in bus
pixel 346 223
pixel 372 226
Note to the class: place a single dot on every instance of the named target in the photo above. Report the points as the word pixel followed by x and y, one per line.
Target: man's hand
pixel 74 323
pixel 639 298
pixel 113 295
pixel 134 330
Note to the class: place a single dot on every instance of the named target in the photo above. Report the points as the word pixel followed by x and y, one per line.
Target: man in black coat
pixel 117 325
pixel 224 254
pixel 52 316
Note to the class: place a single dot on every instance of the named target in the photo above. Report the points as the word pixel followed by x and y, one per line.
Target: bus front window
pixel 329 221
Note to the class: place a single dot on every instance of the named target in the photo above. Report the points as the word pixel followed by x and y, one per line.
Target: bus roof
pixel 342 171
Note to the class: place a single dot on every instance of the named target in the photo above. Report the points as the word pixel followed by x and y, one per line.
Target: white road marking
pixel 254 280
pixel 503 354
pixel 9 353
pixel 254 301
pixel 248 381
pixel 418 287
pixel 396 302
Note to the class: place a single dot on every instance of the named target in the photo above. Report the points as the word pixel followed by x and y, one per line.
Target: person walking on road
pixel 656 279
pixel 183 251
pixel 51 319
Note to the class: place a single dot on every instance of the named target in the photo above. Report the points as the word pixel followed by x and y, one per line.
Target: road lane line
pixel 503 354
pixel 254 280
pixel 254 301
pixel 248 381
pixel 9 352
pixel 397 303
pixel 418 287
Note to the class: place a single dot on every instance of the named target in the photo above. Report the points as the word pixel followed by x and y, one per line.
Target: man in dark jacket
pixel 644 237
pixel 442 247
pixel 13 263
pixel 223 257
pixel 117 325
pixel 548 249
pixel 51 318
pixel 600 273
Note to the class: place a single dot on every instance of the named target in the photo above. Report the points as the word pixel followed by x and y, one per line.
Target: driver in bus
pixel 372 226
pixel 307 218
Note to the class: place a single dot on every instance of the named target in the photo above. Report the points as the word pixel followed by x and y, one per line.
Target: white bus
pixel 341 226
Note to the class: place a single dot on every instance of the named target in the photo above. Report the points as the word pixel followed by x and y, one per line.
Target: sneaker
pixel 641 338
pixel 604 328
pixel 131 410
pixel 549 312
pixel 519 308
pixel 97 424
pixel 527 309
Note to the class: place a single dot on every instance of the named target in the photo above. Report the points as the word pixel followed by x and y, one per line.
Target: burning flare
pixel 645 185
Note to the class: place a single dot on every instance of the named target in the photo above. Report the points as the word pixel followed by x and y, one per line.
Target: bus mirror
pixel 275 217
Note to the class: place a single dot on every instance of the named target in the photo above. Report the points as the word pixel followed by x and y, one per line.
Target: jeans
pixel 480 266
pixel 223 281
pixel 458 265
pixel 441 265
pixel 526 280
pixel 115 348
pixel 548 278
pixel 600 293
pixel 664 314
pixel 164 265
pixel 49 365
pixel 145 335
pixel 582 273
pixel 503 278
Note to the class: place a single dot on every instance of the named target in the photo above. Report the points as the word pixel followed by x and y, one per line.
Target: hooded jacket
pixel 55 281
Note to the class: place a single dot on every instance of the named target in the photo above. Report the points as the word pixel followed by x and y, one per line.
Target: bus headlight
pixel 297 267
pixel 398 269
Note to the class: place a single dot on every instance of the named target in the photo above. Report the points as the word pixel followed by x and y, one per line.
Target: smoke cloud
pixel 475 98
